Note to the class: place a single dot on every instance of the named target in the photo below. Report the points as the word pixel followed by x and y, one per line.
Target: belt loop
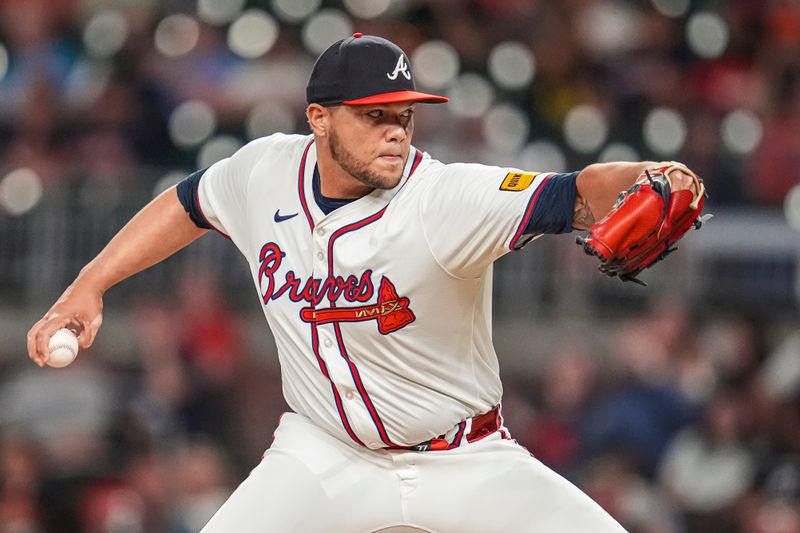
pixel 501 423
pixel 467 431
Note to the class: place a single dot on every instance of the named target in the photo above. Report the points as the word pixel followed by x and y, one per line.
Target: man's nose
pixel 396 133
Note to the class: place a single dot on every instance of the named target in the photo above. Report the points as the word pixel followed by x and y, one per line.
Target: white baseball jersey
pixel 381 310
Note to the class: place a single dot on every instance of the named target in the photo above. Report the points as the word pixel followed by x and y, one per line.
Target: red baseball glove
pixel 645 223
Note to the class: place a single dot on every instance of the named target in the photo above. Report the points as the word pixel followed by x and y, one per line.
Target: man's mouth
pixel 391 158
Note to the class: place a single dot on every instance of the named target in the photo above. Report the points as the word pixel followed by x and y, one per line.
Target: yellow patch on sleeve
pixel 518 181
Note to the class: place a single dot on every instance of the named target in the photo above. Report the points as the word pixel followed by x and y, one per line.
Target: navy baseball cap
pixel 364 69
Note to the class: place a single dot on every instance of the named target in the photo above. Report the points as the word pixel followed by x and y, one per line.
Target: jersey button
pixel 320 256
pixel 321 232
pixel 328 343
pixel 349 395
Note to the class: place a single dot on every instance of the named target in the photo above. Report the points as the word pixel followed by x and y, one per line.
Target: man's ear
pixel 318 118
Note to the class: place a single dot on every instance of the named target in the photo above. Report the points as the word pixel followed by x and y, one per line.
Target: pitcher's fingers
pixel 46 330
pixel 41 353
pixel 89 332
pixel 42 340
pixel 85 338
pixel 33 352
pixel 682 180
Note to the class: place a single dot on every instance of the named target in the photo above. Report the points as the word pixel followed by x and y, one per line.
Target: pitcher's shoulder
pixel 287 144
pixel 426 168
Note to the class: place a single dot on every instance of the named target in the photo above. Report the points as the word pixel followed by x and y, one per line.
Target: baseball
pixel 63 348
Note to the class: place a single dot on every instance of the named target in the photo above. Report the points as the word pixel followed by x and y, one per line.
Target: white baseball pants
pixel 310 481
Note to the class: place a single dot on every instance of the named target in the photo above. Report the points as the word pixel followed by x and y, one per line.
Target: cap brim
pixel 398 97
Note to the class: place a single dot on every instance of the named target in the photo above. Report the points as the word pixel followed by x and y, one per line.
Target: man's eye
pixel 375 113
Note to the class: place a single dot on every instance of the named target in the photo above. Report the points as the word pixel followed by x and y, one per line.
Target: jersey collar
pixel 372 202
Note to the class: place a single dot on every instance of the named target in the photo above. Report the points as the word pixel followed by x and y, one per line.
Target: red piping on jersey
pixel 528 213
pixel 336 396
pixel 340 341
pixel 415 164
pixel 373 413
pixel 197 201
pixel 314 335
pixel 362 391
pixel 301 185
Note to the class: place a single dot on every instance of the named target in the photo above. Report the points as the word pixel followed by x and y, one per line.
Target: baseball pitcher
pixel 372 262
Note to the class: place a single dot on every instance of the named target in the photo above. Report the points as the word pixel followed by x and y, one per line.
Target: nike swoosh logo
pixel 281 218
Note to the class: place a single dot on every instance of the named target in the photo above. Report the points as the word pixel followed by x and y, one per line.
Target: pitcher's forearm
pixel 156 232
pixel 599 186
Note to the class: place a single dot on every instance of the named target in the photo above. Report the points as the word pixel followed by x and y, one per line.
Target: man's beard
pixel 356 168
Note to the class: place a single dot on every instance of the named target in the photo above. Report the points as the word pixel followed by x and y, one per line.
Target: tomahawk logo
pixel 392 311
pixel 400 68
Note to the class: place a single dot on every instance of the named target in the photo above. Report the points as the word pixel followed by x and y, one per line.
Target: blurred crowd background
pixel 676 407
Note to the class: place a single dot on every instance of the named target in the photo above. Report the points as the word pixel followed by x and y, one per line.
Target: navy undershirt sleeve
pixel 554 207
pixel 187 194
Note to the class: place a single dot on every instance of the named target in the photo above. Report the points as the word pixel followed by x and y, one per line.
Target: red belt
pixel 482 425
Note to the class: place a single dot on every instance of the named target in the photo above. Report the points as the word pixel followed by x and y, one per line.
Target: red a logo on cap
pixel 401 67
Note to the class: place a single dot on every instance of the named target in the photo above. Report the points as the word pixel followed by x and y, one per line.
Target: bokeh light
pixel 671 8
pixel 791 207
pixel 741 131
pixel 435 64
pixel 267 118
pixel 512 65
pixel 216 149
pixel 585 128
pixel 105 33
pixel 218 12
pixel 505 128
pixel 664 131
pixel 191 123
pixel 20 191
pixel 253 34
pixel 325 28
pixel 618 151
pixel 367 9
pixel 293 11
pixel 87 82
pixel 605 28
pixel 168 180
pixel 470 96
pixel 3 61
pixel 543 156
pixel 707 35
pixel 177 35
